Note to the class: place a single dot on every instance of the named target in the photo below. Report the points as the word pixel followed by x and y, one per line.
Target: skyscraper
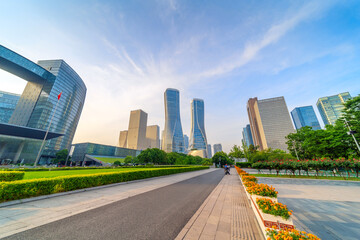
pixel 305 116
pixel 173 139
pixel 209 153
pixel 247 137
pixel 45 81
pixel 136 136
pixel 270 122
pixel 139 136
pixel 217 148
pixel 152 136
pixel 331 107
pixel 186 143
pixel 197 134
pixel 8 103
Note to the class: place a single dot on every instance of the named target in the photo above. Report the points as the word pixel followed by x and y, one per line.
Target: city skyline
pixel 133 52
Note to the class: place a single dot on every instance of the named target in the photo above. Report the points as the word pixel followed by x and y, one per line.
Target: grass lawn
pixel 110 159
pixel 50 174
pixel 307 177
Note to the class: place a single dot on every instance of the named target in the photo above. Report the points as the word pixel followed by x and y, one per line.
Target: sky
pixel 224 52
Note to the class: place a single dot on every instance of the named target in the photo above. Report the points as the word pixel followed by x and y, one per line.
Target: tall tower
pixel 186 143
pixel 247 137
pixel 197 135
pixel 136 136
pixel 331 107
pixel 173 138
pixel 305 116
pixel 270 122
pixel 217 148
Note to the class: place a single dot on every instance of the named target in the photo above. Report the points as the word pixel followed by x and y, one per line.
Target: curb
pixel 26 200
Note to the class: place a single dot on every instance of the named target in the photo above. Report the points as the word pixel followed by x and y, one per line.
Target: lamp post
pixel 352 134
pixel 47 131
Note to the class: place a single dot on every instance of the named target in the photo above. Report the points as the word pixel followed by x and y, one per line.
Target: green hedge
pixel 36 187
pixel 11 176
pixel 243 164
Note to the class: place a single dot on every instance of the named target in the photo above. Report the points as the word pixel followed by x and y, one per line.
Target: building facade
pixel 198 139
pixel 305 116
pixel 153 136
pixel 217 148
pixel 136 135
pixel 270 122
pixel 173 138
pixel 123 139
pixel 247 137
pixel 186 143
pixel 8 103
pixel 45 81
pixel 209 153
pixel 331 107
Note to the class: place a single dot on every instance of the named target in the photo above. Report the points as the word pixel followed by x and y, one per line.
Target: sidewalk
pixel 225 214
pixel 24 216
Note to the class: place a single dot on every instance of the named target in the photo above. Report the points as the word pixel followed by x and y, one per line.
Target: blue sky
pixel 129 52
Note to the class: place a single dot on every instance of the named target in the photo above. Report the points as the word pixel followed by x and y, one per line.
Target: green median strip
pixel 36 187
pixel 307 177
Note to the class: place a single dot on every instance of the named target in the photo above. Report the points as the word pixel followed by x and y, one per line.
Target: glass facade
pixel 209 152
pixel 173 138
pixel 217 148
pixel 8 103
pixel 247 137
pixel 186 143
pixel 93 149
pixel 46 80
pixel 197 135
pixel 331 107
pixel 305 116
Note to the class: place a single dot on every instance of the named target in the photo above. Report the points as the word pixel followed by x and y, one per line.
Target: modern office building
pixel 153 136
pixel 217 148
pixel 305 116
pixel 37 104
pixel 209 153
pixel 270 122
pixel 88 153
pixel 136 136
pixel 186 143
pixel 198 139
pixel 8 103
pixel 139 136
pixel 173 138
pixel 247 137
pixel 331 107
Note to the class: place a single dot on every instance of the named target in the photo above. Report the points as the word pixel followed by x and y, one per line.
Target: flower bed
pixel 274 234
pixel 274 208
pixel 248 178
pixel 262 190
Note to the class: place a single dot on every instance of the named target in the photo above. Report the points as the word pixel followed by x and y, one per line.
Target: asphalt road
pixel 158 214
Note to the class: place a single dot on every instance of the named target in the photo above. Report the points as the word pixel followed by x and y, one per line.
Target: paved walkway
pixel 225 214
pixel 24 216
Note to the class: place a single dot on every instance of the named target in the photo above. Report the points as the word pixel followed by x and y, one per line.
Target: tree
pixel 129 160
pixel 116 163
pixel 236 152
pixel 222 158
pixel 152 155
pixel 61 156
pixel 352 117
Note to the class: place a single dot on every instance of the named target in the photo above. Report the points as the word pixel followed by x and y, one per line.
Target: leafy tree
pixel 61 156
pixel 236 152
pixel 206 161
pixel 116 163
pixel 352 117
pixel 129 159
pixel 222 158
pixel 152 155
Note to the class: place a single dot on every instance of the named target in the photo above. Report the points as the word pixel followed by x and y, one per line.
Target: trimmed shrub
pixel 243 164
pixel 7 176
pixel 36 187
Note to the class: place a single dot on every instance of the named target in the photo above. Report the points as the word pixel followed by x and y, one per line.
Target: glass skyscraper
pixel 197 135
pixel 173 138
pixel 247 138
pixel 331 107
pixel 8 103
pixel 305 116
pixel 45 81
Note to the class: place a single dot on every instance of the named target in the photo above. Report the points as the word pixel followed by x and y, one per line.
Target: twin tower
pixel 140 136
pixel 172 136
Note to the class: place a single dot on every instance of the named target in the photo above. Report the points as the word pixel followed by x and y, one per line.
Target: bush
pixel 243 164
pixel 36 187
pixel 6 176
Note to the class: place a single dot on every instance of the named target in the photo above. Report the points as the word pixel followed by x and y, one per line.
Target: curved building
pixel 173 138
pixel 45 81
pixel 197 135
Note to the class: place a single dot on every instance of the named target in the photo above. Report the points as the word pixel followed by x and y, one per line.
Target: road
pixel 158 214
